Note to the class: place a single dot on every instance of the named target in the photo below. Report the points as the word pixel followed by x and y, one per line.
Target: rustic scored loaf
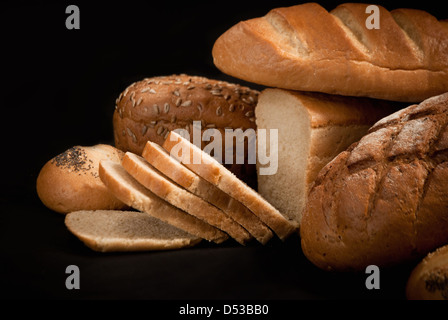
pixel 149 109
pixel 307 48
pixel 312 128
pixel 384 200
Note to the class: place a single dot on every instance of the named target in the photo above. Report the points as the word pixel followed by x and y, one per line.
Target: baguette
pixel 116 230
pixel 172 193
pixel 212 171
pixel 160 159
pixel 307 48
pixel 131 192
pixel 384 200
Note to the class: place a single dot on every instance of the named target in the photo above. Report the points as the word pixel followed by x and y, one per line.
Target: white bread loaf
pixel 429 279
pixel 115 230
pixel 70 181
pixel 307 48
pixel 312 129
pixel 160 159
pixel 131 192
pixel 174 194
pixel 215 173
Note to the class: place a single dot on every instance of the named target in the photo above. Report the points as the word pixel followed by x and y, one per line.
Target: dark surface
pixel 60 91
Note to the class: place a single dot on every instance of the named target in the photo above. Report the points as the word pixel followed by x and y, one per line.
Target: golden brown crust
pixel 383 201
pixel 306 48
pixel 429 279
pixel 149 109
pixel 70 181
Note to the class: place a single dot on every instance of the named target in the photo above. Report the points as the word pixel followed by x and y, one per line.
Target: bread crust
pixel 383 201
pixel 149 109
pixel 429 279
pixel 306 48
pixel 70 181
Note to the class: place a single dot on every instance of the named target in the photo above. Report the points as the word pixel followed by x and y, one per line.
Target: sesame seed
pixel 156 109
pixel 152 91
pixel 232 107
pixel 218 111
pixel 160 130
pixel 166 108
pixel 176 93
pixel 187 103
pixel 178 102
pixel 249 114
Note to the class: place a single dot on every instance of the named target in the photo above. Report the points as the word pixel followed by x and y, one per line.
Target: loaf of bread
pixel 212 171
pixel 70 181
pixel 180 174
pixel 117 230
pixel 135 195
pixel 149 109
pixel 305 47
pixel 429 279
pixel 177 196
pixel 311 128
pixel 384 200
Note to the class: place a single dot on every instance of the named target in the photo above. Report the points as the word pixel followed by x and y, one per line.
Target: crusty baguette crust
pixel 383 201
pixel 160 159
pixel 306 48
pixel 128 190
pixel 161 186
pixel 116 230
pixel 212 171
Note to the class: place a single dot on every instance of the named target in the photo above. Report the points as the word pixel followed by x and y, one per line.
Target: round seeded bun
pixel 429 279
pixel 149 109
pixel 70 181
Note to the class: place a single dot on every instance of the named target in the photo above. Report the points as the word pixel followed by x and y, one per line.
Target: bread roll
pixel 116 230
pixel 384 200
pixel 307 48
pixel 429 279
pixel 312 129
pixel 70 182
pixel 149 109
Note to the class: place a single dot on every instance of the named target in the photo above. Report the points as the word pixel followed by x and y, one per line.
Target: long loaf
pixel 307 48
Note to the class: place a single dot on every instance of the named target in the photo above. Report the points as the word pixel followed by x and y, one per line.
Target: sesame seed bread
pixel 131 192
pixel 160 159
pixel 312 129
pixel 215 173
pixel 70 181
pixel 116 230
pixel 429 279
pixel 305 47
pixel 149 109
pixel 384 199
pixel 174 194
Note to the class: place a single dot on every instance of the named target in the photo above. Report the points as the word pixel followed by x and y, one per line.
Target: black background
pixel 59 88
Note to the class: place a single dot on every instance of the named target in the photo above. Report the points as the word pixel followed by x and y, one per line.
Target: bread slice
pixel 312 129
pixel 162 161
pixel 115 230
pixel 172 193
pixel 131 192
pixel 215 173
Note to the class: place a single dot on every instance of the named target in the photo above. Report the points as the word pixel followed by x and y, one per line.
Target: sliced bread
pixel 174 194
pixel 115 230
pixel 131 192
pixel 215 173
pixel 160 159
